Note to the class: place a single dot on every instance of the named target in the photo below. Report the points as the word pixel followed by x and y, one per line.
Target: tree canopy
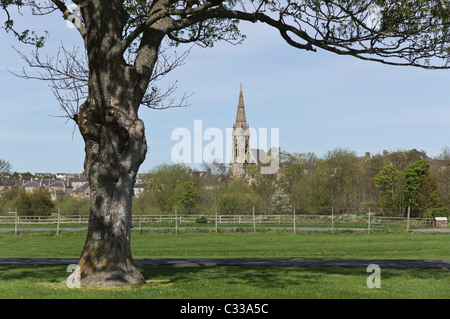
pixel 411 33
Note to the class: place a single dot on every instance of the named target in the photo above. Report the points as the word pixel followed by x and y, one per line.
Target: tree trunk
pixel 115 142
pixel 115 148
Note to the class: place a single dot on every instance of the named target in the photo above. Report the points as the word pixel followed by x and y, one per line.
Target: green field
pixel 176 282
pixel 239 282
pixel 314 245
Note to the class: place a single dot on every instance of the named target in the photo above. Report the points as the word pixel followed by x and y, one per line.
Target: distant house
pixel 138 189
pixel 56 188
pixel 78 180
pixel 60 175
pixel 40 175
pixel 82 192
pixel 31 186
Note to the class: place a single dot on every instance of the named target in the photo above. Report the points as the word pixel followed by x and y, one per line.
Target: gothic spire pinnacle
pixel 241 120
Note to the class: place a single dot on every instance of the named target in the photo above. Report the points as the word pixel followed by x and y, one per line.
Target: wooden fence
pixel 256 223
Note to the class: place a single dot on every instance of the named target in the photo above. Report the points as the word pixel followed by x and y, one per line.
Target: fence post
pixel 332 219
pixel 57 222
pixel 407 220
pixel 140 222
pixel 176 221
pixel 254 222
pixel 16 221
pixel 368 225
pixel 216 220
pixel 294 219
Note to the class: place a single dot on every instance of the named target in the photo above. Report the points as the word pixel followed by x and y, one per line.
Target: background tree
pixel 209 185
pixel 124 43
pixel 8 198
pixel 262 185
pixel 421 187
pixel 390 184
pixel 37 203
pixel 189 196
pixel 165 186
pixel 428 196
pixel 5 169
pixel 441 169
pixel 72 206
pixel 280 203
pixel 338 172
pixel 236 197
pixel 295 175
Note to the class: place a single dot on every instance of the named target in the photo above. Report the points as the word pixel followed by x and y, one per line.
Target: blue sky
pixel 318 101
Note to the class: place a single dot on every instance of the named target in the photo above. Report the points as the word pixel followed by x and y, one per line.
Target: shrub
pixel 437 212
pixel 201 220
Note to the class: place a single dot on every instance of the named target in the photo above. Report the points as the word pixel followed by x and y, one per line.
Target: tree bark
pixel 115 147
pixel 115 142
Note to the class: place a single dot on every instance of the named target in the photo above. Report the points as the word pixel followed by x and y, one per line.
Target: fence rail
pixel 178 222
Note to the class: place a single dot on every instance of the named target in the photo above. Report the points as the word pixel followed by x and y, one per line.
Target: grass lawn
pixel 176 282
pixel 278 245
pixel 220 282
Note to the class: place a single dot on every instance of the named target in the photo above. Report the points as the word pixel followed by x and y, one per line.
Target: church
pixel 242 155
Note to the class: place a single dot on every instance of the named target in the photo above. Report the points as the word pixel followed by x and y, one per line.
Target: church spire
pixel 241 120
pixel 241 141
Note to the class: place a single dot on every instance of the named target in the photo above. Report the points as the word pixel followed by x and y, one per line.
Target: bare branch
pixel 67 74
pixel 161 100
pixel 158 100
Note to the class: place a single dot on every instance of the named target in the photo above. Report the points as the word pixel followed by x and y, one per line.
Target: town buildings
pixel 75 185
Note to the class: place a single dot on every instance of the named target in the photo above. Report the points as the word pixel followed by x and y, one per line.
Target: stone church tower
pixel 240 142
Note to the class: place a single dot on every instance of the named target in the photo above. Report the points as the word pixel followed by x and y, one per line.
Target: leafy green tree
pixel 280 202
pixel 402 159
pixel 413 178
pixel 421 187
pixel 11 194
pixel 236 197
pixel 294 166
pixel 441 169
pixel 189 196
pixel 72 206
pixel 209 184
pixel 428 195
pixel 390 185
pixel 262 186
pixel 37 203
pixel 305 194
pixel 295 177
pixel 337 178
pixel 165 185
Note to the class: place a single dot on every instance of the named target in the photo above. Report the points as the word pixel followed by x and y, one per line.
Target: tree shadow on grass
pixel 33 273
pixel 281 277
pixel 258 275
pixel 261 277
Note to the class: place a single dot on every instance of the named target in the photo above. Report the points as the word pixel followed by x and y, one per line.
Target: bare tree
pixel 5 168
pixel 124 42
